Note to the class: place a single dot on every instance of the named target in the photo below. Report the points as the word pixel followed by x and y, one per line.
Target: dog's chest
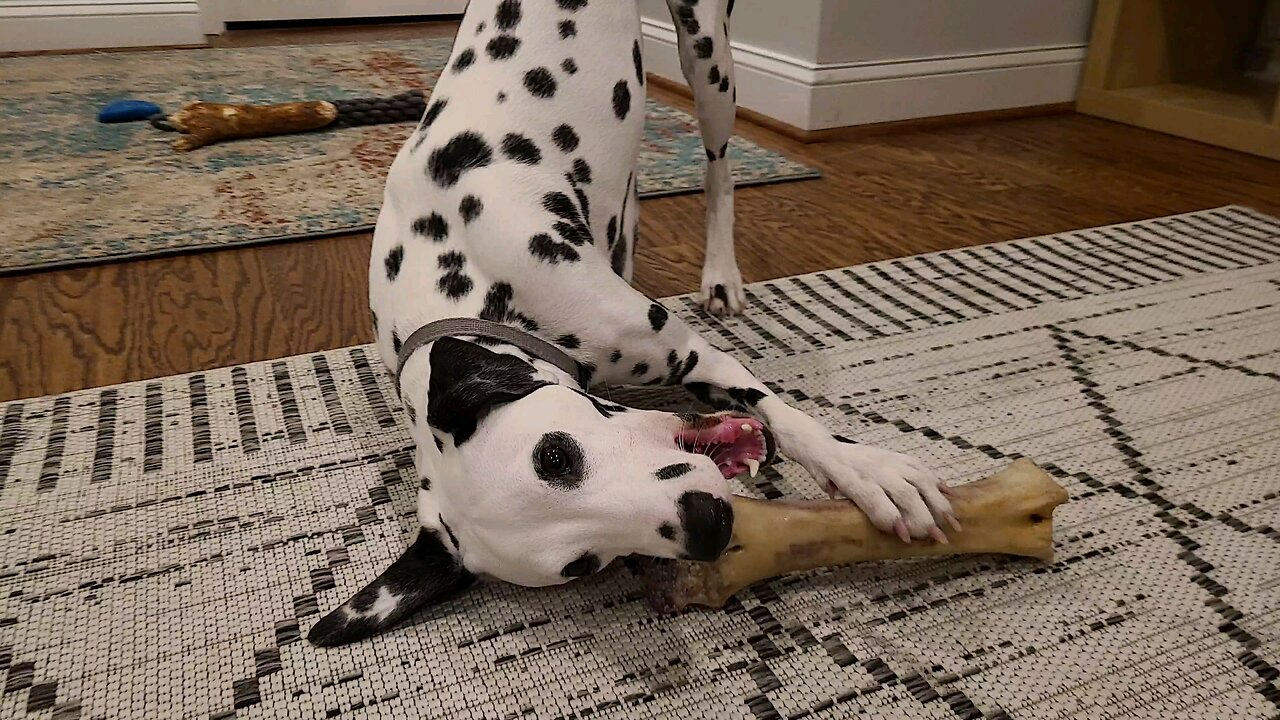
pixel 538 97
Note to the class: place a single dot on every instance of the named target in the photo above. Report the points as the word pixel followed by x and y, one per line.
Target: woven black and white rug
pixel 166 544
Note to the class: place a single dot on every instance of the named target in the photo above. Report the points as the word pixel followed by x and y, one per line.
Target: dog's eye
pixel 553 461
pixel 558 460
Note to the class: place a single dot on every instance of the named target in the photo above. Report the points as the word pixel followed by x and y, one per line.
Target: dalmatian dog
pixel 514 201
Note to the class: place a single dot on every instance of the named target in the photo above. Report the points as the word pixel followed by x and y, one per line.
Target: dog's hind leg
pixel 705 59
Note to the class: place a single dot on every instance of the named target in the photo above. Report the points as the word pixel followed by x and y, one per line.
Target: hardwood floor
pixel 881 197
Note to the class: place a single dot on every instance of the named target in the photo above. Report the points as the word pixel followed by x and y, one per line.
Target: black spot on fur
pixel 432 113
pixel 723 149
pixel 507 15
pixel 396 342
pixel 618 257
pixel 573 228
pixel 711 157
pixel 713 75
pixel 543 247
pixel 657 317
pixel 427 573
pixel 685 14
pixel 540 83
pixel 678 370
pixel 453 539
pixel 452 260
pixel 453 284
pixel 614 356
pixel 724 85
pixel 621 99
pixel 464 60
pixel 611 230
pixel 569 66
pixel 480 27
pixel 565 138
pixel 424 481
pixel 671 472
pixel 718 292
pixel 432 226
pixel 394 258
pixel 502 47
pixel 569 341
pixel 581 171
pixel 568 29
pixel 468 381
pixel 586 565
pixel 470 208
pixel 606 410
pixel 639 62
pixel 498 308
pixel 502 97
pixel 465 151
pixel 843 439
pixel 703 47
pixel 742 399
pixel 374 316
pixel 571 233
pixel 521 149
pixel 641 369
pixel 667 530
pixel 571 5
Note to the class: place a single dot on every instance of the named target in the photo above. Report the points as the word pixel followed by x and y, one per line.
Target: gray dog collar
pixel 462 327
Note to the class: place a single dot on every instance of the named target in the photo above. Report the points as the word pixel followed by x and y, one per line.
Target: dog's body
pixel 515 202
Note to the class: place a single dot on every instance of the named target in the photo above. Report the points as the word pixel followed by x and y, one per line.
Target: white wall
pixel 871 30
pixel 74 24
pixel 818 64
pixel 782 26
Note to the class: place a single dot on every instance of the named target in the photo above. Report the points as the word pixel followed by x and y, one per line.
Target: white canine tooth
pixel 746 428
pixel 753 466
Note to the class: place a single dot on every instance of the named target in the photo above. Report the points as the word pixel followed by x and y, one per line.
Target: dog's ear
pixel 424 575
pixel 468 381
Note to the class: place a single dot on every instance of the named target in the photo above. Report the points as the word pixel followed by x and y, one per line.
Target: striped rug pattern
pixel 168 543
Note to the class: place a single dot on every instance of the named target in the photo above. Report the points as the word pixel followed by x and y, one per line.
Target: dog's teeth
pixel 746 428
pixel 753 466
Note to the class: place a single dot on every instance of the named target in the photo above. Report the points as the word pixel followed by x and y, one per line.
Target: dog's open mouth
pixel 736 444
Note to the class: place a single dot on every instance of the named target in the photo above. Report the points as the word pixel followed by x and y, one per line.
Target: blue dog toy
pixel 128 111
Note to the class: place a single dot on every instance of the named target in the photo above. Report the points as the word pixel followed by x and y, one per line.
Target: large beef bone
pixel 1009 513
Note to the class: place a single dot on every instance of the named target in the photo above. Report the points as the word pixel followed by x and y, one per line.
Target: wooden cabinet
pixel 1175 66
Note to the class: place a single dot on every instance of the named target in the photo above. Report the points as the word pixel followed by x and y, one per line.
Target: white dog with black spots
pixel 515 201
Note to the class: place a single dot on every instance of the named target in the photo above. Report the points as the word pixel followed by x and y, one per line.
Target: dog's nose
pixel 708 524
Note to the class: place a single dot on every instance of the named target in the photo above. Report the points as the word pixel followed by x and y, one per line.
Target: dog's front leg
pixel 707 64
pixel 897 492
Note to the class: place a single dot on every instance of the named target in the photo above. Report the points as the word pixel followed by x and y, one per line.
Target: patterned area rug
pixel 91 192
pixel 168 543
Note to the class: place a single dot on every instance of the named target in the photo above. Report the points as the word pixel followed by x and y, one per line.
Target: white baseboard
pixel 71 24
pixel 813 96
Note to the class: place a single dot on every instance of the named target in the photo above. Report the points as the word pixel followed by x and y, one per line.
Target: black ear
pixel 468 381
pixel 425 574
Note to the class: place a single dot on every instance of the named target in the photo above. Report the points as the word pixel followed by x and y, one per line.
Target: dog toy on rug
pixel 205 123
pixel 1009 513
pixel 128 111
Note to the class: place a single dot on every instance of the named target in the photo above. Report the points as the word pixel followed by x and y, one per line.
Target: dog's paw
pixel 899 494
pixel 722 293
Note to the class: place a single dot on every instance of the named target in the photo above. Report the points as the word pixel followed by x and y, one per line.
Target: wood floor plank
pixel 881 197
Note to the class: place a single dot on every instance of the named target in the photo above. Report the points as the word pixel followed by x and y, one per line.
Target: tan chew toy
pixel 204 123
pixel 1009 513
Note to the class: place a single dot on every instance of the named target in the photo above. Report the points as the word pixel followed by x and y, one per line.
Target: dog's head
pixel 536 483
